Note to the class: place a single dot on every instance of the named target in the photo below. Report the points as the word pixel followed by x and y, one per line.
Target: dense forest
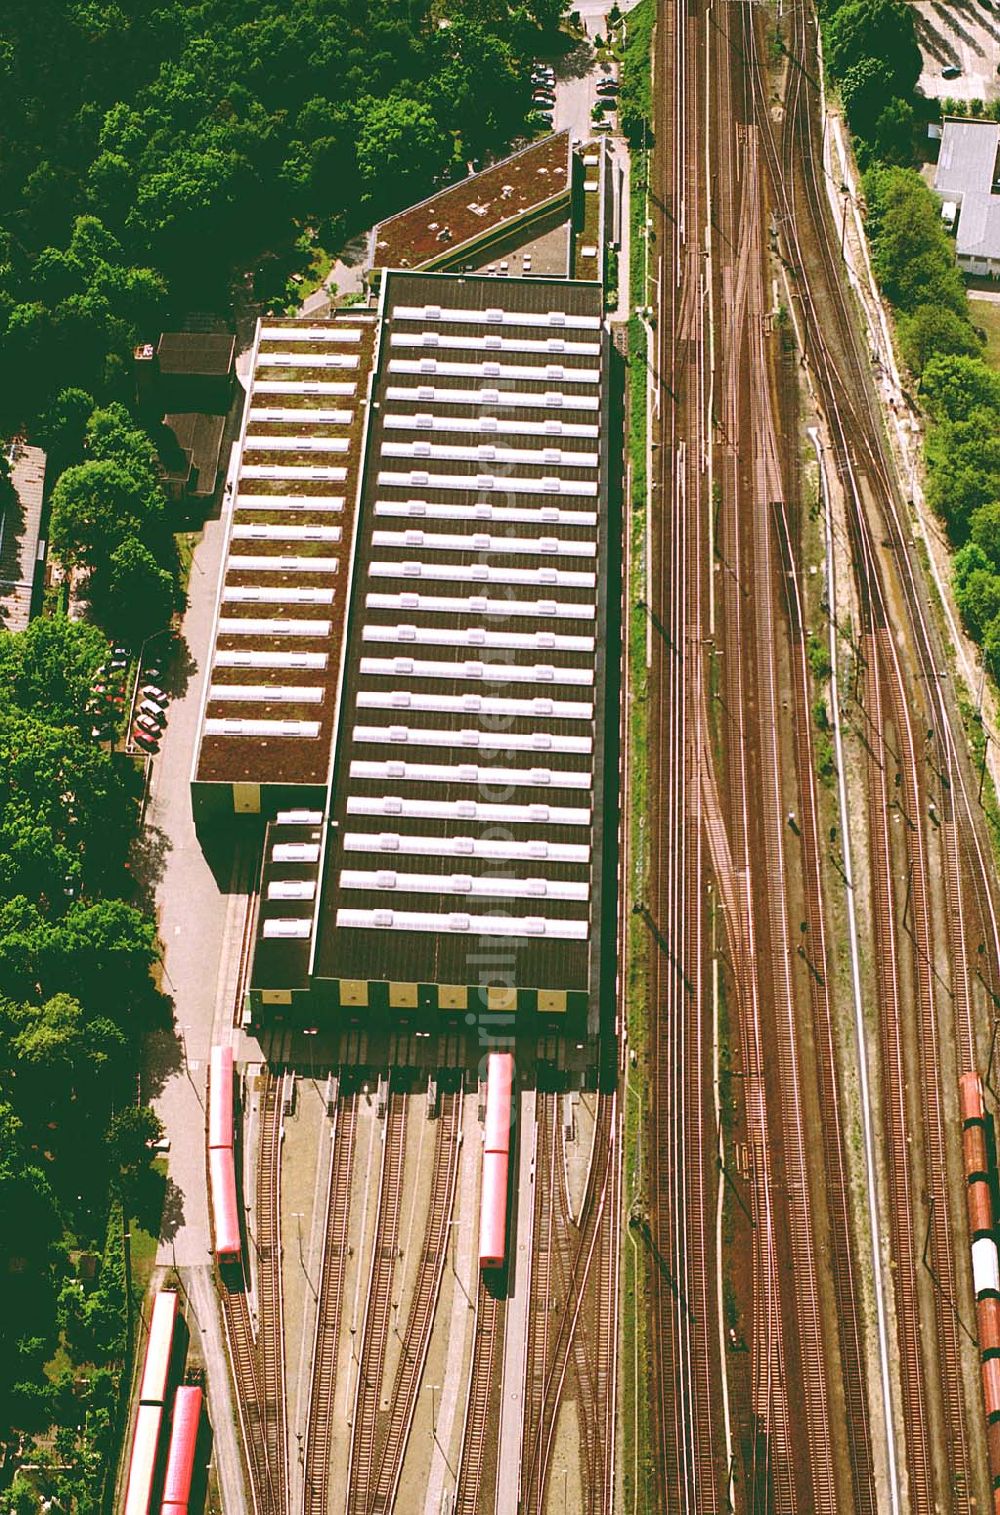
pixel 76 948
pixel 153 151
pixel 156 157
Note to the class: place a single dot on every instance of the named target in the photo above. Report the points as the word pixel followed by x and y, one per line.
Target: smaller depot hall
pixel 968 181
pixel 413 689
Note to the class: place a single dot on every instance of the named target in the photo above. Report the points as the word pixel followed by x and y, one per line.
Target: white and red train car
pixel 221 1157
pixel 496 1160
pixel 980 1180
pixel 182 1452
pixel 154 1389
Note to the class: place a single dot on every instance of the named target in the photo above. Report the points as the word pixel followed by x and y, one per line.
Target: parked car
pixel 608 87
pixel 155 693
pixel 145 739
pixel 951 72
pixel 148 707
pixel 147 723
pixel 602 126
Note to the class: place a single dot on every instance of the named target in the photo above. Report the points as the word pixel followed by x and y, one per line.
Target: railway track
pixel 416 1340
pixel 475 1491
pixel 245 1370
pixel 257 1357
pixel 547 1269
pixel 846 1286
pixel 575 1351
pixel 270 1294
pixel 857 403
pixel 378 1307
pixel 683 1303
pixel 319 1425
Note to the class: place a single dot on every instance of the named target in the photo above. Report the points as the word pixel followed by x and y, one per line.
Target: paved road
pixel 193 912
pixel 198 920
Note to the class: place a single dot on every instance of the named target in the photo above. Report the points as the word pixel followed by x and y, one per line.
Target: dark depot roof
pixel 196 352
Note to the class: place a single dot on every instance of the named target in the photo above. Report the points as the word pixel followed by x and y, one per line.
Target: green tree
pixel 131 1136
pixel 62 426
pixel 95 506
pixel 978 600
pixel 64 813
pixel 112 436
pixel 934 331
pixel 963 460
pixel 991 647
pixel 911 252
pixel 48 669
pixel 953 386
pixel 131 594
pixel 399 144
pixel 98 943
pixel 865 88
pixel 984 531
pixel 874 29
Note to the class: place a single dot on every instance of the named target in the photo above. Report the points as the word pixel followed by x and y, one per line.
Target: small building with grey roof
pixel 968 178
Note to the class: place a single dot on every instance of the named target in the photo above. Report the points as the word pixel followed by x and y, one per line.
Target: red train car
pixel 159 1349
pixel 979 1203
pixel 988 1325
pixel 221 1164
pixel 970 1098
pixel 974 1152
pixel 220 1098
pixel 182 1451
pixel 496 1160
pixel 993 1451
pixel 991 1387
pixel 143 1461
pixel 225 1206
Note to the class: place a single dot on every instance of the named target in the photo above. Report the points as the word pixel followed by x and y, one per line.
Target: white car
pixel 153 711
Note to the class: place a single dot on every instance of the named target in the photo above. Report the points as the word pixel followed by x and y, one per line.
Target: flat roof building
pixel 269 705
pixel 968 177
pixel 440 847
pixel 530 188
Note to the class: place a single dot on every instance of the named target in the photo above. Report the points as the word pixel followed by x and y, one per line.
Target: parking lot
pixel 964 34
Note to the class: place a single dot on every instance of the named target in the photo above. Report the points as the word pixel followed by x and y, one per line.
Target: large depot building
pixel 412 691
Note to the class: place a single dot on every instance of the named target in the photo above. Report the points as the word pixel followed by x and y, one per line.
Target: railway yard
pixel 442 1278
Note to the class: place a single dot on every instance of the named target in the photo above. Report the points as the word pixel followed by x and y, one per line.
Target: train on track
pixel 168 1421
pixel 182 1451
pixel 222 1158
pixel 496 1161
pixel 981 1178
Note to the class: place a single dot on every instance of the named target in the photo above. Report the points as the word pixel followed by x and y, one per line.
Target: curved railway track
pixel 866 436
pixel 378 1307
pixel 324 1376
pixel 575 1348
pixel 416 1340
